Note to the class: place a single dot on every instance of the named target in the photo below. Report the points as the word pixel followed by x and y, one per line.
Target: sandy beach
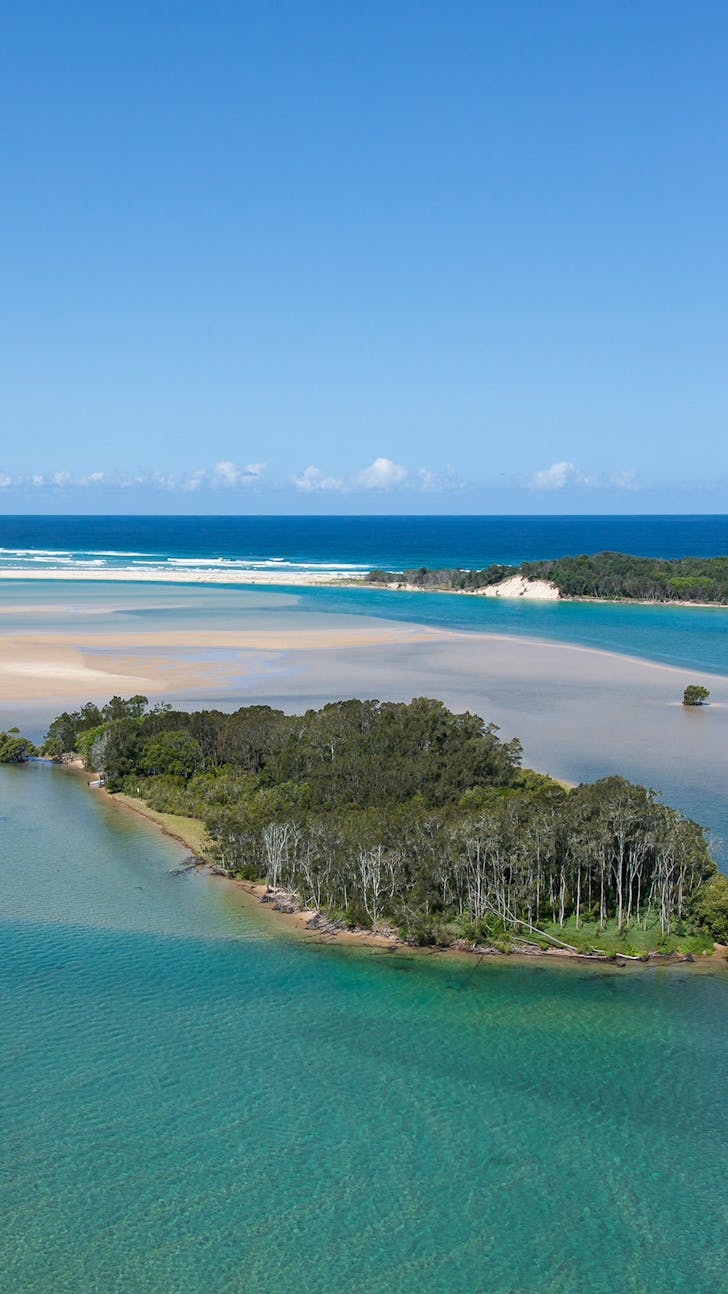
pixel 182 575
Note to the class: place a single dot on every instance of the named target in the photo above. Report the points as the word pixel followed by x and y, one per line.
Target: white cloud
pixel 382 474
pixel 554 477
pixel 313 479
pixel 192 482
pixel 228 474
pixel 563 473
pixel 225 472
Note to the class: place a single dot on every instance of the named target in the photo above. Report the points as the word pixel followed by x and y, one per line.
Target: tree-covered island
pixel 412 818
pixel 606 576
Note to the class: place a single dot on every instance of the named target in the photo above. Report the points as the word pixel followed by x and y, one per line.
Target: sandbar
pixel 184 575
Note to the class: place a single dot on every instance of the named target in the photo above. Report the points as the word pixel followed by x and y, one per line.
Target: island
pixel 410 822
pixel 604 576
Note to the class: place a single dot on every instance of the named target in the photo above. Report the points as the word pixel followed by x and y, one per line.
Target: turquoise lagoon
pixel 198 1100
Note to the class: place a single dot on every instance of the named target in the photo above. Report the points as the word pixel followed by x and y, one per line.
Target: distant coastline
pixel 609 578
pixel 604 576
pixel 529 593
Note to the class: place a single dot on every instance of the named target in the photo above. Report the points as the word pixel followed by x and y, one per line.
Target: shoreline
pixel 533 597
pixel 316 579
pixel 160 575
pixel 318 925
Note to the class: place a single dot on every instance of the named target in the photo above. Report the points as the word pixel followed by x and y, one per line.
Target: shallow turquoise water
pixel 693 637
pixel 195 1103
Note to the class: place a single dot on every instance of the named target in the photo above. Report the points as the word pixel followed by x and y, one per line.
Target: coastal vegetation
pixel 694 694
pixel 15 749
pixel 604 575
pixel 410 817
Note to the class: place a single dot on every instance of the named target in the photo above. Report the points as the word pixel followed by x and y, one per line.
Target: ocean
pixel 340 544
pixel 195 1099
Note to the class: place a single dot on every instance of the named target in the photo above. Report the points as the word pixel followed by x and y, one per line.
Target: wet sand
pixel 71 666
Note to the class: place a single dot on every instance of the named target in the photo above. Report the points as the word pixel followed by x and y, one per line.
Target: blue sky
pixel 399 257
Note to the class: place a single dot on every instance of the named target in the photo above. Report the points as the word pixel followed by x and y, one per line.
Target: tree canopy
pixel 604 575
pixel 694 694
pixel 411 815
pixel 15 749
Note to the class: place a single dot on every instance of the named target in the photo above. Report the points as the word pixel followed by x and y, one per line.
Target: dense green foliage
pixel 694 694
pixel 408 815
pixel 600 575
pixel 15 749
pixel 68 730
pixel 710 906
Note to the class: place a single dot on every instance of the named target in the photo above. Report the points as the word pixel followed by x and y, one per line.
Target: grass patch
pixel 633 940
pixel 191 831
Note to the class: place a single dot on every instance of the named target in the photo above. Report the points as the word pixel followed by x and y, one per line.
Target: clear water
pixel 195 1102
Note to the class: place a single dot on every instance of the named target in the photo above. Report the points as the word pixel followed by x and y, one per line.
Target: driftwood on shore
pixel 189 864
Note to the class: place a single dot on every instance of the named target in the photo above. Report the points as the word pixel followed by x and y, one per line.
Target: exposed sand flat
pixel 84 664
pixel 184 575
pixel 31 671
pixel 370 658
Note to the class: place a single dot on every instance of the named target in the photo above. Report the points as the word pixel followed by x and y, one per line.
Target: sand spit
pixel 184 575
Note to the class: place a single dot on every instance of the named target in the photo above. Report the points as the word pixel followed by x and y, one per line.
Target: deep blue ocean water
pixel 347 542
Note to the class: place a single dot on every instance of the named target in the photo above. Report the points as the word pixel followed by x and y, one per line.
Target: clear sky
pixel 388 256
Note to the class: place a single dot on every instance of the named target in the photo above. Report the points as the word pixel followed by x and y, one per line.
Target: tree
pixel 15 750
pixel 174 752
pixel 710 907
pixel 118 708
pixel 694 694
